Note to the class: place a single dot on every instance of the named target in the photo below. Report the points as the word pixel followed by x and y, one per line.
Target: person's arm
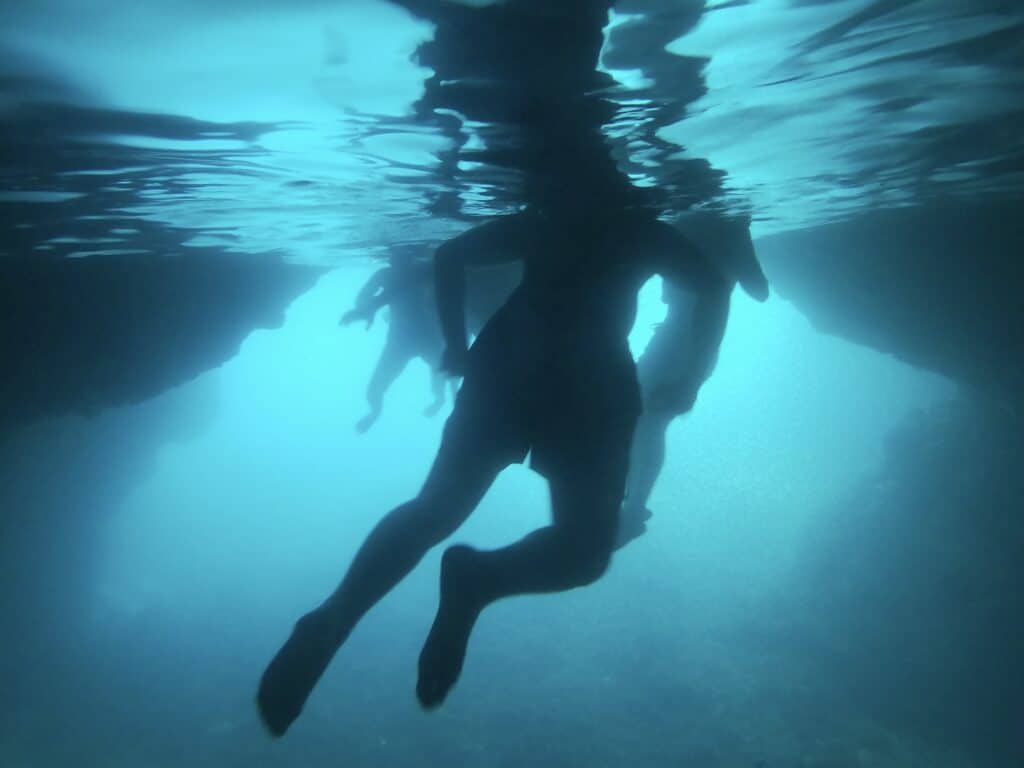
pixel 491 243
pixel 450 289
pixel 710 317
pixel 371 297
pixel 688 270
pixel 749 274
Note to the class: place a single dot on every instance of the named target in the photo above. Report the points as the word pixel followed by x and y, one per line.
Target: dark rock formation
pixel 103 306
pixel 60 481
pixel 912 585
pixel 80 335
pixel 939 286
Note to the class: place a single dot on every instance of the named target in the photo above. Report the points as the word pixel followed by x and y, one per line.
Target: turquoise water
pixel 811 591
pixel 305 127
pixel 693 650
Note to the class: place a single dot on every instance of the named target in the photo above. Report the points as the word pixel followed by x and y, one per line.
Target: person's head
pixel 587 198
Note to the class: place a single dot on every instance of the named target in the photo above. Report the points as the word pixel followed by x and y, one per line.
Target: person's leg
pixel 456 483
pixel 393 359
pixel 572 552
pixel 395 546
pixel 645 464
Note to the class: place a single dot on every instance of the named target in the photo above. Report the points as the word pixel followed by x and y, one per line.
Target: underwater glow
pixel 814 120
pixel 236 530
pixel 811 116
pixel 829 576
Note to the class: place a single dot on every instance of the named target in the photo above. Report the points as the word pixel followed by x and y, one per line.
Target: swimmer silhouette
pixel 414 330
pixel 550 374
pixel 406 288
pixel 682 353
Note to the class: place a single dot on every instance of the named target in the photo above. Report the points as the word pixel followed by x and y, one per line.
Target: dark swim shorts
pixel 572 407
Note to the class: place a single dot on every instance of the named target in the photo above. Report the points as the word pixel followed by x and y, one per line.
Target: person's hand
pixel 453 361
pixel 756 286
pixel 354 315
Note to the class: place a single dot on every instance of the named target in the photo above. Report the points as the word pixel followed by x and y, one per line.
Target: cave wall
pixel 61 480
pixel 940 286
pixel 908 596
pixel 82 335
pixel 93 353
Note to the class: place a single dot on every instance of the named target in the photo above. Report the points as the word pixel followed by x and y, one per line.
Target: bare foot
pixel 295 670
pixel 445 649
pixel 364 424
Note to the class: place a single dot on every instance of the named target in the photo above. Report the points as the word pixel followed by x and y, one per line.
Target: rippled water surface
pixel 325 129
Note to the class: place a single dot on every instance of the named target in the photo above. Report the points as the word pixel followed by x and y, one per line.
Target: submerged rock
pixel 82 335
pixel 939 286
pixel 911 586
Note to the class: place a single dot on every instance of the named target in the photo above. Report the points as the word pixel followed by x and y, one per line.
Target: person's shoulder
pixel 656 237
pixel 657 228
pixel 498 228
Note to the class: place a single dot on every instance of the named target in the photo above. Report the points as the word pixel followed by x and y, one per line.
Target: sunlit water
pixel 290 126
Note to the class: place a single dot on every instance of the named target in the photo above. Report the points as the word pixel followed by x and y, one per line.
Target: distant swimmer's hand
pixel 354 315
pixel 453 361
pixel 756 286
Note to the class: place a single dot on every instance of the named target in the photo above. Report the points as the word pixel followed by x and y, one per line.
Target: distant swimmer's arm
pixel 371 297
pixel 450 290
pixel 690 270
pixel 710 317
pixel 751 277
pixel 490 243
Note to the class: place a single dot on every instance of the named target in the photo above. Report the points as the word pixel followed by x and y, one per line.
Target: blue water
pixel 673 658
pixel 230 505
pixel 289 126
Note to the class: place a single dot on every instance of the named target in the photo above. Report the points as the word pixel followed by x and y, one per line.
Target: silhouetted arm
pixel 687 269
pixel 495 242
pixel 371 297
pixel 750 276
pixel 710 317
pixel 450 287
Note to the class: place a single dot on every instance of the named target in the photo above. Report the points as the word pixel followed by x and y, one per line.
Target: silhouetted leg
pixel 393 359
pixel 455 485
pixel 645 465
pixel 572 552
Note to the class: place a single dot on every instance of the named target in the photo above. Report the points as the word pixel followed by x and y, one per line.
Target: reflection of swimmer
pixel 550 375
pixel 405 288
pixel 682 353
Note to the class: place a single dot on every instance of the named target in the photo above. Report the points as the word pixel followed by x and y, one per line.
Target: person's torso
pixel 580 282
pixel 412 309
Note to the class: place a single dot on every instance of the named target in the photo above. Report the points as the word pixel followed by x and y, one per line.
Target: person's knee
pixel 590 553
pixel 588 521
pixel 592 564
